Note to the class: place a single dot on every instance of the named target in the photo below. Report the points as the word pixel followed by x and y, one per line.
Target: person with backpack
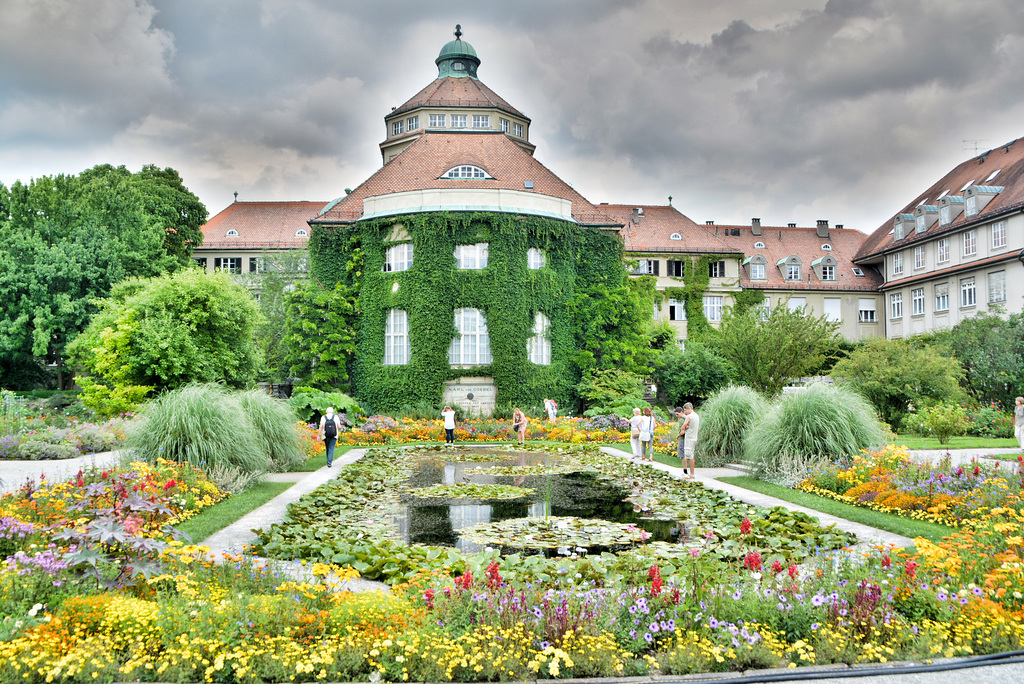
pixel 329 428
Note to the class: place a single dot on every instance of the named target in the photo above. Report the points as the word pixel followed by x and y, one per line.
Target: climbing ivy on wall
pixel 507 293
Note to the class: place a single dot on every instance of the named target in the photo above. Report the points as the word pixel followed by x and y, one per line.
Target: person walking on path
pixel 551 406
pixel 519 425
pixel 449 425
pixel 1018 420
pixel 329 429
pixel 634 431
pixel 688 438
pixel 647 426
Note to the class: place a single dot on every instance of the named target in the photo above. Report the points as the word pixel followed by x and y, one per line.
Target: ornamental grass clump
pixel 202 425
pixel 274 423
pixel 724 418
pixel 803 429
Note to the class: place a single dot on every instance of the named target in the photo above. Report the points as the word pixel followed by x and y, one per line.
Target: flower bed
pixel 70 440
pixel 891 482
pixel 714 607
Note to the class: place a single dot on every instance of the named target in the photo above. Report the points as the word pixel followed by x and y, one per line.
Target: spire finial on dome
pixel 458 32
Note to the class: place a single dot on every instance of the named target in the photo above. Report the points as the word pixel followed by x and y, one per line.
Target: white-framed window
pixel 231 233
pixel 458 120
pixel 397 128
pixel 398 258
pixel 257 265
pixel 517 130
pixel 897 263
pixel 970 243
pixel 481 121
pixel 945 215
pixel 917 302
pixel 676 310
pixel 968 294
pixel 765 308
pixel 301 233
pixel 920 220
pixel 919 257
pixel 302 265
pixel 826 247
pixel 713 308
pixel 828 272
pixel 866 310
pixel 229 264
pixel 674 268
pixel 941 297
pixel 504 125
pixel 998 234
pixel 535 259
pixel 675 236
pixel 472 346
pixel 997 287
pixel 716 269
pixel 413 123
pixel 757 272
pixel 758 245
pixel 794 303
pixel 942 246
pixel 896 305
pixel 437 120
pixel 200 261
pixel 898 231
pixel 538 346
pixel 465 171
pixel 971 205
pixel 792 271
pixel 859 272
pixel 833 309
pixel 471 257
pixel 396 339
pixel 646 267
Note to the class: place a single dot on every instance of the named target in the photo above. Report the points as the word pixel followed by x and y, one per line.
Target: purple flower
pixel 977 591
pixel 654 627
pixel 647 635
pixel 815 626
pixel 712 623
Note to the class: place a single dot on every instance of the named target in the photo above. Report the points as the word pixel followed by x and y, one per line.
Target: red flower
pixel 886 561
pixel 793 572
pixel 977 470
pixel 655 575
pixel 104 475
pixel 777 566
pixel 745 526
pixel 753 561
pixel 170 485
pixel 465 580
pixel 911 568
pixel 493 576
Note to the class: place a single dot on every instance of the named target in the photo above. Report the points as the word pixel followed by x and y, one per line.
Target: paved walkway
pixel 869 536
pixel 13 474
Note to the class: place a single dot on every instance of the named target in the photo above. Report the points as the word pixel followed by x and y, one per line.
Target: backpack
pixel 331 426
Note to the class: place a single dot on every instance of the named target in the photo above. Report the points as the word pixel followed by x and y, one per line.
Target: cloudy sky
pixel 789 110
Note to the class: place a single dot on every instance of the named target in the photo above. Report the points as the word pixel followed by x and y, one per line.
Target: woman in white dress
pixel 634 432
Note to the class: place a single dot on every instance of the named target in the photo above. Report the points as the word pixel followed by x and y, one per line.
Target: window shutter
pixel 656 262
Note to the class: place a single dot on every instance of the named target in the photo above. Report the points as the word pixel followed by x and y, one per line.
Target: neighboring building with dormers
pixel 956 249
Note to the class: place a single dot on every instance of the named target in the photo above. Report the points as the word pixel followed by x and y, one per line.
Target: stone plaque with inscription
pixel 475 395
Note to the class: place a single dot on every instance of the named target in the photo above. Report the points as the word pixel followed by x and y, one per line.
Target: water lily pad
pixel 527 470
pixel 553 532
pixel 471 490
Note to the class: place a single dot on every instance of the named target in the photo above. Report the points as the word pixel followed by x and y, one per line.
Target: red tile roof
pixel 652 231
pixel 457 92
pixel 420 166
pixel 260 224
pixel 1008 159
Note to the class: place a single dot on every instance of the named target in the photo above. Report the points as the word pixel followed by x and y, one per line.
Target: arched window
pixel 758 245
pixel 675 236
pixel 471 257
pixel 232 233
pixel 301 233
pixel 535 259
pixel 398 258
pixel 466 171
pixel 538 346
pixel 826 247
pixel 396 339
pixel 472 346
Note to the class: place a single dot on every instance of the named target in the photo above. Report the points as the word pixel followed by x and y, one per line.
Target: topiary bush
pixel 203 425
pixel 273 421
pixel 801 429
pixel 724 418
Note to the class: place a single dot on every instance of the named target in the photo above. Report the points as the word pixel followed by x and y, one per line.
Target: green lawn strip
pixel 220 515
pixel 318 462
pixel 865 516
pixel 919 442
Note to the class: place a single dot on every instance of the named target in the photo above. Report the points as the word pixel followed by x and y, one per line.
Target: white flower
pixel 35 610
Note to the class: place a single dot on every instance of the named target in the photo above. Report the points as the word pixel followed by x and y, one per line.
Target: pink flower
pixel 745 526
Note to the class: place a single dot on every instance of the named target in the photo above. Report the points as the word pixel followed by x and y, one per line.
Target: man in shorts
pixel 688 438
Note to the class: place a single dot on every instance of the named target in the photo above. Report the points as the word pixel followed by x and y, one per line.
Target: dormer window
pixel 466 171
pixel 977 197
pixel 301 233
pixel 790 267
pixel 898 231
pixel 758 245
pixel 825 267
pixel 675 236
pixel 232 233
pixel 826 247
pixel 756 267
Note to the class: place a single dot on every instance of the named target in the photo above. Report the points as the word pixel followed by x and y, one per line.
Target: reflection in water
pixel 579 494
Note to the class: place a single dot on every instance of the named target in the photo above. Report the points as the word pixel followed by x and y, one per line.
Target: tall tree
pixel 68 239
pixel 991 350
pixel 769 351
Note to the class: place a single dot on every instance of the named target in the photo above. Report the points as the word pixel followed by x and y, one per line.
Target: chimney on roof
pixel 822 228
pixel 236 195
pixel 791 225
pixel 709 223
pixel 638 213
pixel 755 226
pixel 839 226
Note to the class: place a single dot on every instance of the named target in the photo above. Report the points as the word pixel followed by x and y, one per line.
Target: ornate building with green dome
pixel 476 265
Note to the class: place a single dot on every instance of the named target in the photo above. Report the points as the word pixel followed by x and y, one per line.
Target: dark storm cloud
pixel 789 110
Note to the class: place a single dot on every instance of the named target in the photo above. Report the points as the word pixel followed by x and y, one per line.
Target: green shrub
pixel 203 425
pixel 989 420
pixel 724 418
pixel 309 403
pixel 609 391
pixel 945 421
pixel 801 429
pixel 274 423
